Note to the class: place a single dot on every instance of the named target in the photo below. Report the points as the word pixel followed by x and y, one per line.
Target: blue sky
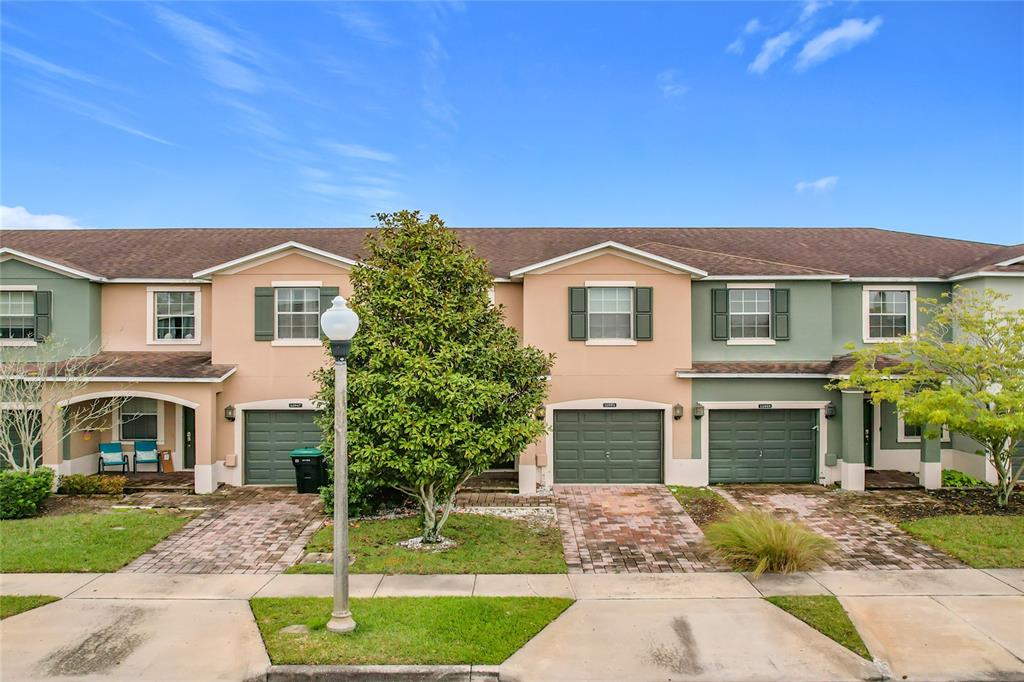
pixel 901 115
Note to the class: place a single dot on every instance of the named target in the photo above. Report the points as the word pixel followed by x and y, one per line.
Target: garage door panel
pixel 608 446
pixel 749 446
pixel 270 435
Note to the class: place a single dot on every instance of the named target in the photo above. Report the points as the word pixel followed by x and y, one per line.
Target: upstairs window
pixel 175 315
pixel 889 313
pixel 610 313
pixel 750 313
pixel 297 313
pixel 17 315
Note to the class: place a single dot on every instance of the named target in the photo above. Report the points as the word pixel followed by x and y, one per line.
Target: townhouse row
pixel 684 355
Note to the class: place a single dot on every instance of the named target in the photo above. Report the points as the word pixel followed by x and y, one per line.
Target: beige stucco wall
pixel 510 296
pixel 265 371
pixel 124 318
pixel 641 372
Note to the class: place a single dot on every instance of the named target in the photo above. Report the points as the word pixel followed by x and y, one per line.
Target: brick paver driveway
pixel 864 538
pixel 629 529
pixel 244 530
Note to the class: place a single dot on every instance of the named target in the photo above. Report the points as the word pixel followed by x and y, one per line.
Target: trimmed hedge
pixel 22 492
pixel 81 484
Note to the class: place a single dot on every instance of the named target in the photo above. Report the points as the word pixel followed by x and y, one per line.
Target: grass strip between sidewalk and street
pixel 978 541
pixel 405 630
pixel 12 605
pixel 484 544
pixel 99 542
pixel 825 614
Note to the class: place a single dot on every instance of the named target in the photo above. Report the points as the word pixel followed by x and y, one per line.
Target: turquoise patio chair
pixel 145 453
pixel 111 455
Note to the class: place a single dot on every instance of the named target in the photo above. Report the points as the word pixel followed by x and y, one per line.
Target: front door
pixel 188 428
pixel 869 431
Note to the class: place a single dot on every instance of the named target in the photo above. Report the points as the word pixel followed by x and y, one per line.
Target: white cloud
pixel 669 85
pixel 362 24
pixel 219 54
pixel 836 40
pixel 772 50
pixel 819 186
pixel 358 151
pixel 48 68
pixel 18 217
pixel 811 8
pixel 97 113
pixel 753 26
pixel 735 47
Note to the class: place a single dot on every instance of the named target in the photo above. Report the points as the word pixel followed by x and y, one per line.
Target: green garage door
pixel 769 446
pixel 269 436
pixel 608 446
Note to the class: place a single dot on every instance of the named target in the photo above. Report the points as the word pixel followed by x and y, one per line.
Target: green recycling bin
pixel 309 469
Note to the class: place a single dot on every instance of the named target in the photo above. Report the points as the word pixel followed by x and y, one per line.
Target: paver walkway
pixel 252 531
pixel 629 529
pixel 865 539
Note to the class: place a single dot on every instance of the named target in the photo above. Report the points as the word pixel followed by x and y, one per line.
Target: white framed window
pixel 140 419
pixel 889 312
pixel 297 315
pixel 175 315
pixel 17 316
pixel 750 314
pixel 610 314
pixel 909 433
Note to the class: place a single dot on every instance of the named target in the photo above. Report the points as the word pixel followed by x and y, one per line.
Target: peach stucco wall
pixel 510 296
pixel 265 371
pixel 645 371
pixel 123 318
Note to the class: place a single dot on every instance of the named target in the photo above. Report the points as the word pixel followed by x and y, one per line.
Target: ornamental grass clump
pixel 758 542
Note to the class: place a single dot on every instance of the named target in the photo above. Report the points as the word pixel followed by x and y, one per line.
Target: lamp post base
pixel 341 622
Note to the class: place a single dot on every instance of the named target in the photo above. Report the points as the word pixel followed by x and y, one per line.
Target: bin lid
pixel 306 452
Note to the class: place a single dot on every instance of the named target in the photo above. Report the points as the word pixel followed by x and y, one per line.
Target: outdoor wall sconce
pixel 830 410
pixel 698 411
pixel 540 412
pixel 229 413
pixel 677 411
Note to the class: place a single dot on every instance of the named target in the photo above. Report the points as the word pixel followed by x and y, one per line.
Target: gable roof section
pixel 1001 261
pixel 53 264
pixel 605 247
pixel 272 253
pixel 726 265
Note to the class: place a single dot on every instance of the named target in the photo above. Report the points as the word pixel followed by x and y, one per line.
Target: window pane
pixel 888 314
pixel 911 431
pixel 175 315
pixel 138 427
pixel 610 312
pixel 750 313
pixel 298 313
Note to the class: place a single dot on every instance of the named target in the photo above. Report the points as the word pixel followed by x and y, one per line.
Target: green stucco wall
pixel 768 390
pixel 1011 286
pixel 848 310
pixel 75 316
pixel 810 322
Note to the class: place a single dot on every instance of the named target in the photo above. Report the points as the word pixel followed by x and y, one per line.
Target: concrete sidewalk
pixel 941 582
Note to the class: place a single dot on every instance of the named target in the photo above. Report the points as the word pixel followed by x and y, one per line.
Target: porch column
pixel 929 472
pixel 528 469
pixel 851 470
pixel 205 470
pixel 52 425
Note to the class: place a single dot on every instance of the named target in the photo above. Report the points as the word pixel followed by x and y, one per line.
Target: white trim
pixel 624 341
pixel 761 278
pixel 490 294
pixel 295 343
pixel 750 285
pixel 273 253
pixel 610 342
pixel 20 343
pixel 866 307
pixel 178 454
pixel 166 380
pixel 156 280
pixel 1009 261
pixel 984 273
pixel 288 284
pixel 115 417
pixel 502 279
pixel 19 287
pixel 129 394
pixel 547 473
pixel 901 436
pixel 7 253
pixel 197 309
pixel 898 279
pixel 307 405
pixel 592 251
pixel 750 341
pixel 690 374
pixel 20 406
pixel 609 284
pixel 819 405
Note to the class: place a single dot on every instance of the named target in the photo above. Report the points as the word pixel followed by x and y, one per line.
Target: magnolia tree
pixel 40 380
pixel 440 389
pixel 964 370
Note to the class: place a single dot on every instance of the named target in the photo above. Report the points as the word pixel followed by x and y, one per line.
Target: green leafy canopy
pixel 439 387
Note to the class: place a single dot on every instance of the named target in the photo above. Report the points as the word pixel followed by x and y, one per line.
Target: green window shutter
pixel 719 314
pixel 780 313
pixel 44 310
pixel 577 314
pixel 264 313
pixel 644 313
pixel 327 295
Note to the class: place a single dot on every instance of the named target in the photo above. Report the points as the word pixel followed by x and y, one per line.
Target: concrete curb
pixel 382 673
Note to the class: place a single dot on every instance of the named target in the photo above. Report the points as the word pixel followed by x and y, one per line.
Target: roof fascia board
pixel 984 273
pixel 594 250
pixel 898 279
pixel 685 374
pixel 1011 261
pixel 7 252
pixel 253 259
pixel 762 278
pixel 156 280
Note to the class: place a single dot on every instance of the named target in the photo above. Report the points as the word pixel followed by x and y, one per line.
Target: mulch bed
pixel 948 502
pixel 707 510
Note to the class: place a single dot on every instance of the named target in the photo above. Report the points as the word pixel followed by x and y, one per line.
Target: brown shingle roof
pixel 837 366
pixel 152 364
pixel 855 251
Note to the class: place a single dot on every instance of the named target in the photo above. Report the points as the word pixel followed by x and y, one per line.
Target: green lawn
pixel 826 615
pixel 486 544
pixel 80 543
pixel 978 541
pixel 703 505
pixel 424 630
pixel 12 605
